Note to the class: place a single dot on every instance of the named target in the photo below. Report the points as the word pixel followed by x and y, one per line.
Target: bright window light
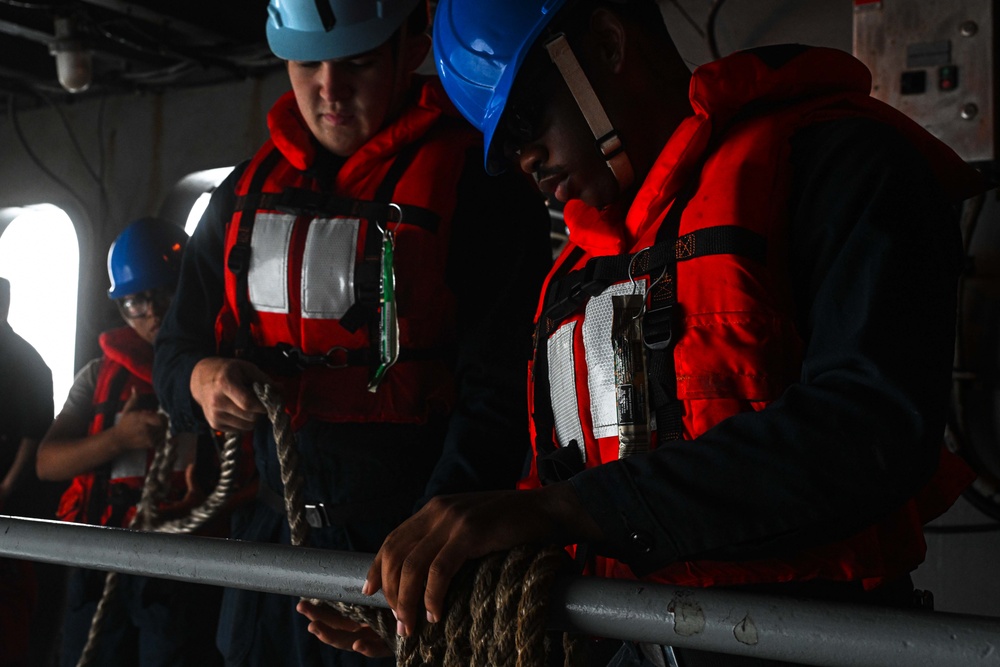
pixel 200 204
pixel 40 256
pixel 204 181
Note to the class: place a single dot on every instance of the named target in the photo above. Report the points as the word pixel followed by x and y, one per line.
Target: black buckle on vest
pixel 560 465
pixel 298 201
pixel 239 259
pixel 660 313
pixel 316 516
pixel 658 327
pixel 335 357
pixel 578 294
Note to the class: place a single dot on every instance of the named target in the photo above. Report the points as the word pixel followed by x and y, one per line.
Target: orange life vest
pixel 304 257
pixel 107 496
pixel 719 301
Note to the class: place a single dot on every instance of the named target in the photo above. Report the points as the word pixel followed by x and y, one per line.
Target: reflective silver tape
pixel 133 462
pixel 600 357
pixel 562 388
pixel 328 268
pixel 268 277
pixel 129 464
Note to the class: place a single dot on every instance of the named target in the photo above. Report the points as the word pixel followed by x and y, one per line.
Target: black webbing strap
pixel 300 201
pixel 600 272
pixel 239 256
pixel 108 409
pixel 659 321
pixel 287 360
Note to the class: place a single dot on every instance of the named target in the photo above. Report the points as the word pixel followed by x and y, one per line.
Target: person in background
pixel 104 439
pixel 25 413
pixel 762 257
pixel 25 410
pixel 364 265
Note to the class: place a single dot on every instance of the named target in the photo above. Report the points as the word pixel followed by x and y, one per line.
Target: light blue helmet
pixel 316 30
pixel 146 255
pixel 479 46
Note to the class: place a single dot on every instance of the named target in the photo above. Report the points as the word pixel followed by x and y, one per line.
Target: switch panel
pixel 935 61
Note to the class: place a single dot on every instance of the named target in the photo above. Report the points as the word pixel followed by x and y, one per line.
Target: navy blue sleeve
pixel 499 256
pixel 187 333
pixel 875 254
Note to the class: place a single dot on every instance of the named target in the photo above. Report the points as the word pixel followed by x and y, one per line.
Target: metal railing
pixel 809 632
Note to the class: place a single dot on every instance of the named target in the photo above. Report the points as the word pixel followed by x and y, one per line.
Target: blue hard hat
pixel 479 46
pixel 146 255
pixel 317 30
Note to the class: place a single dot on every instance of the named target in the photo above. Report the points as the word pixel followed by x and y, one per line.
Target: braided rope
pixel 497 605
pixel 146 517
pixel 228 475
pixel 291 479
pixel 484 607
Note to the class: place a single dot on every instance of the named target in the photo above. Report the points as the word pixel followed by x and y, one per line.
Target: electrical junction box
pixel 935 61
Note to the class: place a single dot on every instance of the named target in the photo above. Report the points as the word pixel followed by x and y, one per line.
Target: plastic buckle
pixel 238 260
pixel 303 360
pixel 579 294
pixel 316 516
pixel 658 327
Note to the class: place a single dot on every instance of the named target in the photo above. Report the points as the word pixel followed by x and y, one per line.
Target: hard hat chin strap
pixel 609 143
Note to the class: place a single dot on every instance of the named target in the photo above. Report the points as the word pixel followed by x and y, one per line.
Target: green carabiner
pixel 388 320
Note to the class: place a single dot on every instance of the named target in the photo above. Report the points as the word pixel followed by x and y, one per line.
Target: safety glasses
pixel 145 303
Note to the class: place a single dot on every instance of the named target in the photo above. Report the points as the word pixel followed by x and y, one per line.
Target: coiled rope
pixel 146 517
pixel 497 605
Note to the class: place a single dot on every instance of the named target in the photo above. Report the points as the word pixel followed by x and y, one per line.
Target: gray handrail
pixel 809 632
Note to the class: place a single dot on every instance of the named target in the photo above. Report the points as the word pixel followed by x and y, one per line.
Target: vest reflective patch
pixel 328 268
pixel 130 464
pixel 267 279
pixel 133 462
pixel 597 321
pixel 562 388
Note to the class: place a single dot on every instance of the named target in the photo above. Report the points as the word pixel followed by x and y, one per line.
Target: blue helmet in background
pixel 146 255
pixel 316 30
pixel 479 46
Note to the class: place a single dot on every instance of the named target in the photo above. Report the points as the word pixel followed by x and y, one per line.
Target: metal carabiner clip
pixel 635 285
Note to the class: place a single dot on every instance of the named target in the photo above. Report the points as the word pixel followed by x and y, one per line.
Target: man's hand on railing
pixel 418 560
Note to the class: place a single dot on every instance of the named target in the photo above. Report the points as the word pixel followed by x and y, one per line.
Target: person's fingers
pixel 424 574
pixel 373 580
pixel 224 420
pixel 130 402
pixel 224 390
pixel 366 643
pixel 157 422
pixel 398 553
pixel 372 647
pixel 439 576
pixel 327 615
pixel 340 632
pixel 243 400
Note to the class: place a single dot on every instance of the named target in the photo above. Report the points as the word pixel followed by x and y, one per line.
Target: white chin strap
pixel 608 141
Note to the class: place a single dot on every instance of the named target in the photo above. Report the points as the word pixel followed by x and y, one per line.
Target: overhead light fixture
pixel 74 65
